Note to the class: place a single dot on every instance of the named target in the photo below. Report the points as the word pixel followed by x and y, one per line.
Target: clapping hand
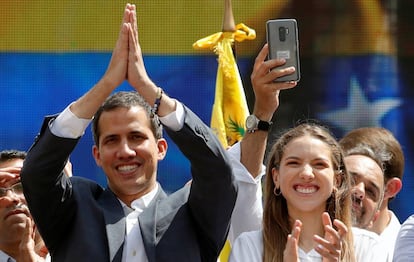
pixel 292 245
pixel 330 245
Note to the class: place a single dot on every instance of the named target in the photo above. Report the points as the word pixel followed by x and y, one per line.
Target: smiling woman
pixel 307 183
pixel 306 165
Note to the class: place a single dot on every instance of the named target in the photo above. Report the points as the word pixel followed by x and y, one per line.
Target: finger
pixel 327 249
pixel 297 227
pixel 333 237
pixel 133 32
pixel 122 42
pixel 269 68
pixel 330 235
pixel 290 250
pixel 130 6
pixel 341 228
pixel 134 19
pixel 123 33
pixel 261 57
pixel 26 240
pixel 266 76
pixel 126 16
pixel 330 255
pixel 34 231
pixel 9 178
pixel 277 86
pixel 276 73
pixel 273 63
pixel 123 37
pixel 10 171
pixel 326 219
pixel 133 42
pixel 5 178
pixel 331 245
pixel 68 169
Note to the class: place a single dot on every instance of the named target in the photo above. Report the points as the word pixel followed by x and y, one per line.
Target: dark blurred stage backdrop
pixel 356 59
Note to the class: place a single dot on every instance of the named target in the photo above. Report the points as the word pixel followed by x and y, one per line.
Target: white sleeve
pixel 68 125
pixel 174 120
pixel 404 246
pixel 248 247
pixel 248 210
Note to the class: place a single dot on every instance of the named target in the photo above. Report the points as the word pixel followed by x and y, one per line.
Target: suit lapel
pixel 115 224
pixel 147 223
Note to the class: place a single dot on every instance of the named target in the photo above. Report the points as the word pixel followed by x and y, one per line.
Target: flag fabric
pixel 230 106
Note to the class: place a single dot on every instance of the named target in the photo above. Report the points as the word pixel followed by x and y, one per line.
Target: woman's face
pixel 306 175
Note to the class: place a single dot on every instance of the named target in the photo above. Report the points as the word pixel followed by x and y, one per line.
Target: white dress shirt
pixel 134 246
pixel 6 258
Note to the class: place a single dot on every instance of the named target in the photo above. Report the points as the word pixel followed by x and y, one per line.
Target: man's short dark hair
pixel 127 100
pixel 11 154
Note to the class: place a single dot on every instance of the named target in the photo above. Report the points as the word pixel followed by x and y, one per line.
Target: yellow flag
pixel 230 106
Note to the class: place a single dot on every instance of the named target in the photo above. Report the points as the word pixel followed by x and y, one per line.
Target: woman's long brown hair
pixel 276 222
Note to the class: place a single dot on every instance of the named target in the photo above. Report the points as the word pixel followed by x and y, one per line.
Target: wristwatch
pixel 253 123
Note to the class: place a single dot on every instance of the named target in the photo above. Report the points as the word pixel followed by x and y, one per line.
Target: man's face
pixel 367 189
pixel 128 152
pixel 13 209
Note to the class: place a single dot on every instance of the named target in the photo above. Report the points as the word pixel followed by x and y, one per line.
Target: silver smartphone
pixel 283 41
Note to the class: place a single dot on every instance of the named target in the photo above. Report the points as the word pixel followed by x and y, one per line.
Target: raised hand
pixel 331 244
pixel 9 176
pixel 265 89
pixel 27 245
pixel 116 71
pixel 290 254
pixel 137 75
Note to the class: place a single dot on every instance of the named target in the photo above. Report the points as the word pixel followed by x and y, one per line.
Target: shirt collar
pixel 141 203
pixel 4 257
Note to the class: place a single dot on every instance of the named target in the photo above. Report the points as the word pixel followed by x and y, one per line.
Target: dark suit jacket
pixel 81 221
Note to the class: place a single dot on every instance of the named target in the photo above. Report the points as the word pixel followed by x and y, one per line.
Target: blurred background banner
pixel 356 59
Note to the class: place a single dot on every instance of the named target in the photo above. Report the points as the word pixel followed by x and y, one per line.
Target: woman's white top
pixel 248 247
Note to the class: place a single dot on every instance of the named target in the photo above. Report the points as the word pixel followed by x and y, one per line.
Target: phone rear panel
pixel 283 40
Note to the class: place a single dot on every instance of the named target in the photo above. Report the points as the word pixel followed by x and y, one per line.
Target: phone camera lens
pixel 282 33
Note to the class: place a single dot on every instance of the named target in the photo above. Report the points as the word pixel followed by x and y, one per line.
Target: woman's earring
pixel 277 191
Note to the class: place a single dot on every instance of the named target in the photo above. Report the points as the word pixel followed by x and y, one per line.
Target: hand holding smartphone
pixel 283 41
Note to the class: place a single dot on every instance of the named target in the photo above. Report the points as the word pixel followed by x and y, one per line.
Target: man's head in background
pixel 13 208
pixel 392 158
